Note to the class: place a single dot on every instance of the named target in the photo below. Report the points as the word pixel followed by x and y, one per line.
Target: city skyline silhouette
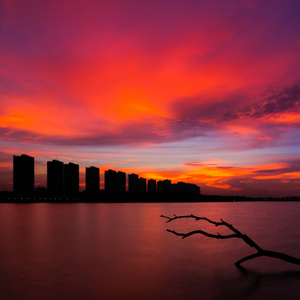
pixel 63 179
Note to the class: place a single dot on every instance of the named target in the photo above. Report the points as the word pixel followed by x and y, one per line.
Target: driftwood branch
pixel 236 234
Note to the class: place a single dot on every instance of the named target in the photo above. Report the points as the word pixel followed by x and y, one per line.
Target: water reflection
pixel 257 280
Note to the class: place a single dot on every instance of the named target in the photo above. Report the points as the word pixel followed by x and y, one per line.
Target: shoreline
pixel 127 197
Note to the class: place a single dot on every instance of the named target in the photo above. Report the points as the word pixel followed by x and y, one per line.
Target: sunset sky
pixel 201 91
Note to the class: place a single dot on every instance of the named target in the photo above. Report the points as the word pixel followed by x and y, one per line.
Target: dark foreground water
pixel 122 251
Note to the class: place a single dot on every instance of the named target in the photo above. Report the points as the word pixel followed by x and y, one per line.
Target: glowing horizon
pixel 206 92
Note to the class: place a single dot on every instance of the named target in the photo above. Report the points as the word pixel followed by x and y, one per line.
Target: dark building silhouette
pixel 92 179
pixel 121 181
pixel 159 186
pixel 110 180
pixel 164 186
pixel 115 181
pixel 174 188
pixel 193 189
pixel 133 180
pixel 71 178
pixel 180 187
pixel 185 188
pixel 23 174
pixel 151 185
pixel 142 185
pixel 55 177
pixel 167 186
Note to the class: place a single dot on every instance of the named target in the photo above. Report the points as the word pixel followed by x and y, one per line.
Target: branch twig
pixel 215 236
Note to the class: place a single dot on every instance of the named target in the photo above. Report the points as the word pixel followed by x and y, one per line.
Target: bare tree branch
pixel 236 234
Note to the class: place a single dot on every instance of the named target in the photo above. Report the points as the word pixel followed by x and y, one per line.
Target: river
pixel 123 251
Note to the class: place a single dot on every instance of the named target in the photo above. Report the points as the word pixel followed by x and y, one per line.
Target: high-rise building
pixel 110 177
pixel 193 189
pixel 110 180
pixel 164 186
pixel 167 185
pixel 133 182
pixel 159 185
pixel 92 179
pixel 185 188
pixel 121 181
pixel 182 187
pixel 23 174
pixel 151 185
pixel 55 177
pixel 115 181
pixel 142 185
pixel 71 178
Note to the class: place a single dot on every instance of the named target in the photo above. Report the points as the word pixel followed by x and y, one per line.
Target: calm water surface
pixel 122 251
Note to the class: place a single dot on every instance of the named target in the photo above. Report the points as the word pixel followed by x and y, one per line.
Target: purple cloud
pixel 276 102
